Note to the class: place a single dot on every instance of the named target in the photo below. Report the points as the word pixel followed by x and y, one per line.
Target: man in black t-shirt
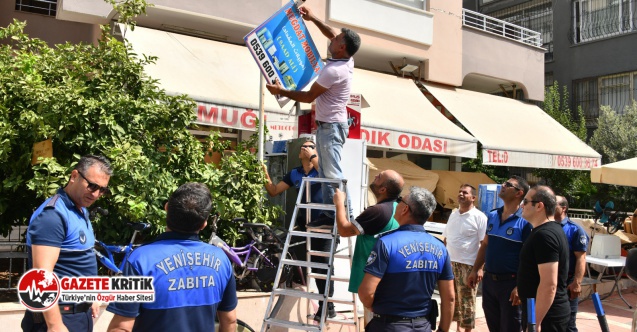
pixel 544 261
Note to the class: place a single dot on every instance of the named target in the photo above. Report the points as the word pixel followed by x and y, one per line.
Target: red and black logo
pixel 38 290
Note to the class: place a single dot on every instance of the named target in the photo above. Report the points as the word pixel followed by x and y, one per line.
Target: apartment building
pixel 437 78
pixel 591 46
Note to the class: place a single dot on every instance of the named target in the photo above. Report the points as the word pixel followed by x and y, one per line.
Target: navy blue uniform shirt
pixel 409 262
pixel 505 241
pixel 192 280
pixel 577 241
pixel 58 223
pixel 294 178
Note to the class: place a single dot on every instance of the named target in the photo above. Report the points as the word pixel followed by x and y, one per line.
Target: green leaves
pixel 96 99
pixel 615 139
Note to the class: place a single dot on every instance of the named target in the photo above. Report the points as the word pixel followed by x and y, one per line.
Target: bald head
pixel 388 184
pixel 395 182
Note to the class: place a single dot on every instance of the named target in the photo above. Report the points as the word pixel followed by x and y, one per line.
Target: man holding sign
pixel 331 92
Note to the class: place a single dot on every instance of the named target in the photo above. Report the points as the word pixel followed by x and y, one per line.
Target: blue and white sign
pixel 284 50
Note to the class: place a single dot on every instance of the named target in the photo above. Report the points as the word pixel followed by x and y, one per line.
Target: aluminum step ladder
pixel 270 319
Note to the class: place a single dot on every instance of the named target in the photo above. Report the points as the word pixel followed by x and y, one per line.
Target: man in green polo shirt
pixel 376 219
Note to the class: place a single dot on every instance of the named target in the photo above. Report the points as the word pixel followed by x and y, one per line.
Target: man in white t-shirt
pixel 331 92
pixel 465 229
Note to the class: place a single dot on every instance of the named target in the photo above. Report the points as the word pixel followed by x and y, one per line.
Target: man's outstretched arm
pixel 326 30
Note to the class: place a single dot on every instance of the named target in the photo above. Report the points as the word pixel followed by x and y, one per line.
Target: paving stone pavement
pixel 618 315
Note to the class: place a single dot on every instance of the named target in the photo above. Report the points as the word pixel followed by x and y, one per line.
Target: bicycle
pixel 613 221
pixel 113 250
pixel 256 263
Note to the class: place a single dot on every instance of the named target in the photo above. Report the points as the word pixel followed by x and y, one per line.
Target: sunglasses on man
pixel 93 187
pixel 510 185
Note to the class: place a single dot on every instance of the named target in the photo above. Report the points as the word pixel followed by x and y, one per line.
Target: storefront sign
pixel 354 107
pixel 537 160
pixel 226 116
pixel 281 127
pixel 417 143
pixel 284 50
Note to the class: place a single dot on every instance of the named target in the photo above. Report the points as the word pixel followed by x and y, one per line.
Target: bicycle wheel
pixel 263 278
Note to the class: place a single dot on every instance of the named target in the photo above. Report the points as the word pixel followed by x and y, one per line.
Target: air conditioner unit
pixel 606 246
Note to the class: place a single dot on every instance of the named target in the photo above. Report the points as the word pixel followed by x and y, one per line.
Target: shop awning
pixel 399 117
pixel 223 78
pixel 621 173
pixel 513 133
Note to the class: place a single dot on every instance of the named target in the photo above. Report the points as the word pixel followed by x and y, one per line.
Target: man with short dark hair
pixel 544 263
pixel 193 280
pixel 331 92
pixel 465 229
pixel 403 269
pixel 60 239
pixel 500 255
pixel 577 245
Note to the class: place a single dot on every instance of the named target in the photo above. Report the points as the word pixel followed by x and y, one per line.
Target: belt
pixel 70 308
pixel 318 123
pixel 396 319
pixel 500 277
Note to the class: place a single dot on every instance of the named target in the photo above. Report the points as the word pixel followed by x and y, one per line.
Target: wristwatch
pixel 313 156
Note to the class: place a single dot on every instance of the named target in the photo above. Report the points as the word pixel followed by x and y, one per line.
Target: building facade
pixel 590 47
pixel 425 69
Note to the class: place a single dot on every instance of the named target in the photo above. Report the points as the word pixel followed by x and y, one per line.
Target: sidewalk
pixel 618 315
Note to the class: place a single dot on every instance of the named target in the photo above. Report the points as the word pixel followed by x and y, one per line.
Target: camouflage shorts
pixel 465 308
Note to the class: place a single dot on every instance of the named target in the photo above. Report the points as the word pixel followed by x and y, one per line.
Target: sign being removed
pixel 284 50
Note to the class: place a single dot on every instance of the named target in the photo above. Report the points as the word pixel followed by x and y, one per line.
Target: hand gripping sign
pixel 284 50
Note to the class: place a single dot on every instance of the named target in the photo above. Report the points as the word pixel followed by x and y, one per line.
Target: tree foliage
pixel 616 139
pixel 575 185
pixel 95 99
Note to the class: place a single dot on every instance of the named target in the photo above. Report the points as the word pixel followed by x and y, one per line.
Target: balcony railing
pixel 501 28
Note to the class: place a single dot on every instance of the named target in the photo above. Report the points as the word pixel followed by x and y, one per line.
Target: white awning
pixel 513 133
pixel 223 78
pixel 621 173
pixel 399 117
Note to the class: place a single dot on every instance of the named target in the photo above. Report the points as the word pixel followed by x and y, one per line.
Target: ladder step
pixel 327 254
pixel 305 264
pixel 317 206
pixel 323 277
pixel 314 235
pixel 299 294
pixel 292 325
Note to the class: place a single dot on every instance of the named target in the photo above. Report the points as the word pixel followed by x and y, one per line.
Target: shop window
pixel 44 7
pixel 615 91
pixel 585 96
pixel 549 79
pixel 419 4
pixel 596 19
